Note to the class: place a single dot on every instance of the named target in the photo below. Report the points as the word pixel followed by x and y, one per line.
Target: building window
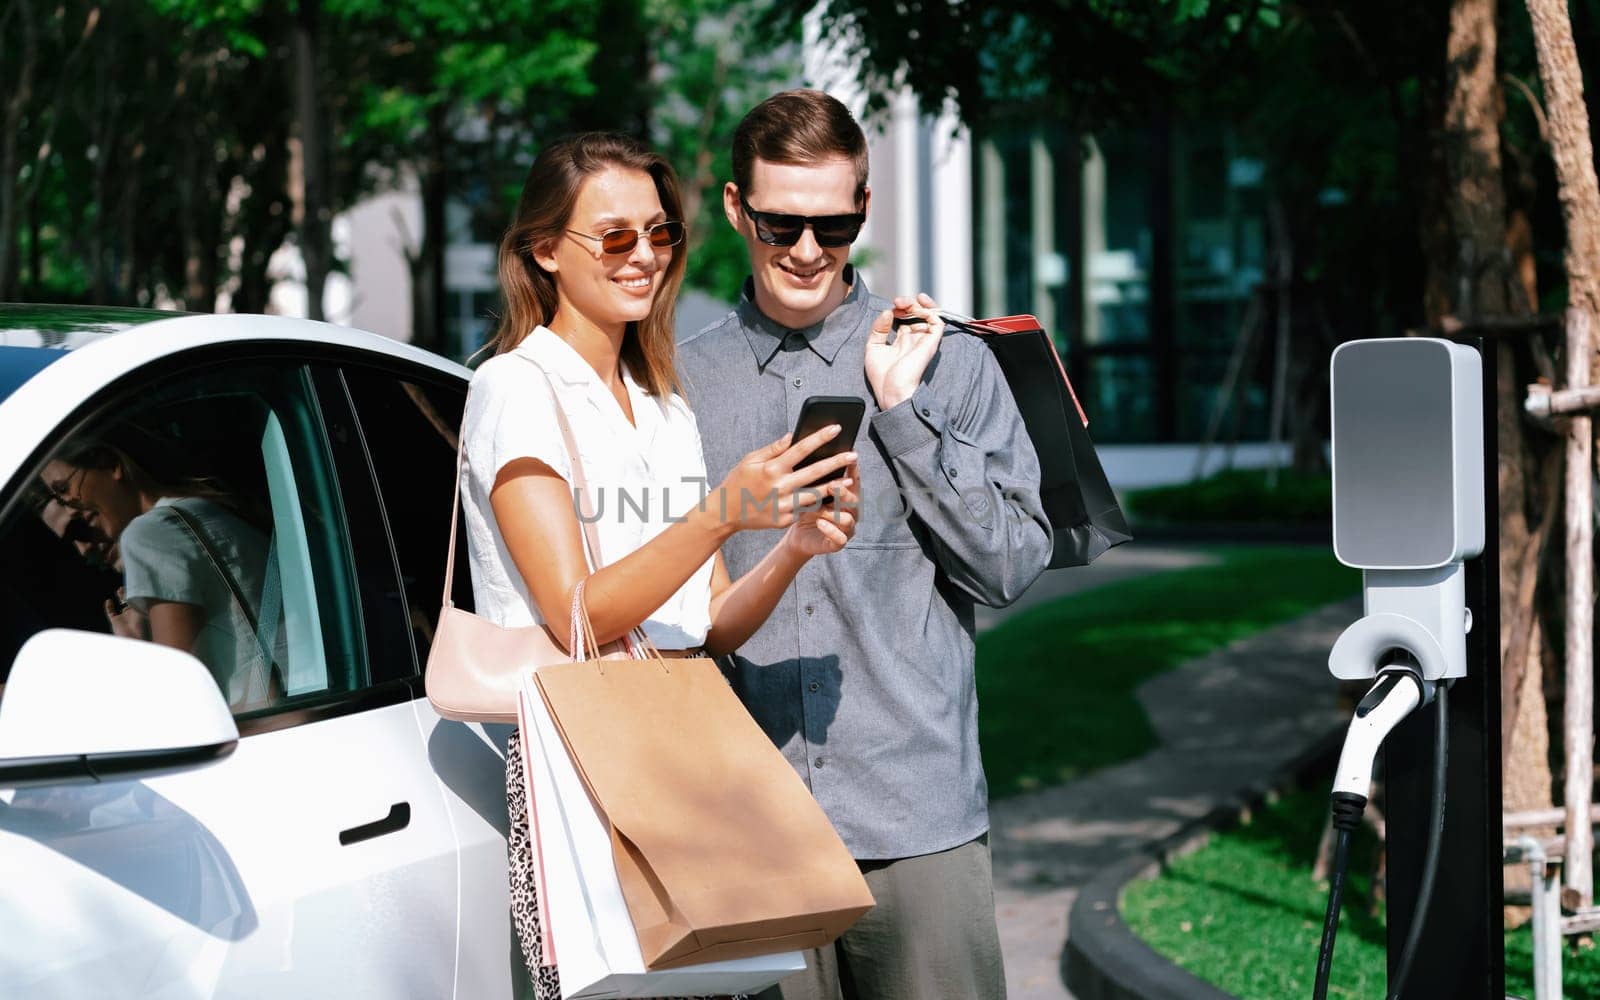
pixel 1139 250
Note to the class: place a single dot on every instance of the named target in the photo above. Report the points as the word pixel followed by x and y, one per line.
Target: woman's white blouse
pixel 640 478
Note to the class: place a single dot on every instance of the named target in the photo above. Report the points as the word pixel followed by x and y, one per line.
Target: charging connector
pixel 1399 690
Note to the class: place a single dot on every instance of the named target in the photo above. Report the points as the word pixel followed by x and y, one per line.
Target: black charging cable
pixel 1348 808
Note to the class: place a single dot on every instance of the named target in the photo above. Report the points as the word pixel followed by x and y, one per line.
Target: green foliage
pixel 1056 683
pixel 157 137
pixel 1336 101
pixel 1243 913
pixel 1237 496
pixel 164 171
pixel 484 60
pixel 714 61
pixel 1076 62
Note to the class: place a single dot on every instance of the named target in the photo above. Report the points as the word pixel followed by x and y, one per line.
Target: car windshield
pixel 18 364
pixel 32 336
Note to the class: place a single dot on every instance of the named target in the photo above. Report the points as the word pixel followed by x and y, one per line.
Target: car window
pixel 409 427
pixel 199 510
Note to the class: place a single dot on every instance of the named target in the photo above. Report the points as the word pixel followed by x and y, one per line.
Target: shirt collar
pixel 558 358
pixel 767 337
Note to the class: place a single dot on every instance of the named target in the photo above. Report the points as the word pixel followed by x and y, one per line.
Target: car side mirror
pixel 86 707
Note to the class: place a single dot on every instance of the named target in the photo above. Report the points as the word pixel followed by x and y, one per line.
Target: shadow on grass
pixel 1254 916
pixel 1243 912
pixel 1056 683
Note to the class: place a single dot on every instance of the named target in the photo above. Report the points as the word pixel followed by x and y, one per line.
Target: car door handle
pixel 398 819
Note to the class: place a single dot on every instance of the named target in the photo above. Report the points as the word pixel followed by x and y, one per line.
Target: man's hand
pixel 894 370
pixel 828 526
pixel 766 490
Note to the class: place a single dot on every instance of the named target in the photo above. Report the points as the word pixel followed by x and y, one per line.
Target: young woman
pixel 192 556
pixel 590 268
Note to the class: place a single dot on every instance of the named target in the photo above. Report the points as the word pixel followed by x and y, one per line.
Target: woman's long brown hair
pixel 543 214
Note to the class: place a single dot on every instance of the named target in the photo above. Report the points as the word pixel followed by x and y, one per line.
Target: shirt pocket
pixel 884 517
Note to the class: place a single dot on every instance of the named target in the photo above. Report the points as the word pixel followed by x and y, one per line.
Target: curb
pixel 1103 958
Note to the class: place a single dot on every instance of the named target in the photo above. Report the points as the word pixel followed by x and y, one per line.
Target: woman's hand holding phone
pixel 766 490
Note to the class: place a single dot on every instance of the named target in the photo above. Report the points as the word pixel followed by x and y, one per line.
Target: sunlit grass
pixel 1243 914
pixel 1056 683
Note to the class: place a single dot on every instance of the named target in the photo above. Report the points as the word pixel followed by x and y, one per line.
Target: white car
pixel 281 814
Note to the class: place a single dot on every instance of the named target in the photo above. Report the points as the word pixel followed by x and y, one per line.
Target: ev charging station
pixel 1415 509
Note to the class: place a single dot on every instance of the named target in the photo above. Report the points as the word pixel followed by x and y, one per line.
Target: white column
pixel 951 226
pixel 905 254
pixel 1094 235
pixel 1045 262
pixel 993 246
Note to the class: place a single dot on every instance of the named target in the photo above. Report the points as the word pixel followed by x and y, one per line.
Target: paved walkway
pixel 1223 721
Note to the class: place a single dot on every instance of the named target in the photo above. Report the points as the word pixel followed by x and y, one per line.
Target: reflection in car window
pixel 198 512
pixel 410 431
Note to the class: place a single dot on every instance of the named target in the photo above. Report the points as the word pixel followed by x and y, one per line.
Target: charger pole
pixel 1462 951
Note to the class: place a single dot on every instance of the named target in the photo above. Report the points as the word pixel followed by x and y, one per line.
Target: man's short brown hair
pixel 799 127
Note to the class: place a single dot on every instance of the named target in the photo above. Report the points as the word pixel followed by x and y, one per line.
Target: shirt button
pixel 814 686
pixel 819 762
pixel 798 382
pixel 927 411
pixel 952 471
pixel 810 608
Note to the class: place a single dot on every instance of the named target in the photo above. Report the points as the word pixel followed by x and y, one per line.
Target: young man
pixel 863 675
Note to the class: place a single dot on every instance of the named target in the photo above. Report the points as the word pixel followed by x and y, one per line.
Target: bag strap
pixel 580 486
pixel 987 328
pixel 581 631
pixel 591 533
pixel 271 578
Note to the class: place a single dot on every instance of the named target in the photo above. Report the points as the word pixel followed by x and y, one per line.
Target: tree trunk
pixel 702 178
pixel 26 40
pixel 1283 306
pixel 316 250
pixel 128 269
pixel 35 255
pixel 1471 273
pixel 428 285
pixel 262 224
pixel 1471 282
pixel 1573 152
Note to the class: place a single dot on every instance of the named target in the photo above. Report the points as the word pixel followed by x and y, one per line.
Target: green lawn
pixel 1243 913
pixel 1056 683
pixel 1237 496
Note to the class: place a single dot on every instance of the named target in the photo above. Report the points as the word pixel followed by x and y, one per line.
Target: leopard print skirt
pixel 524 898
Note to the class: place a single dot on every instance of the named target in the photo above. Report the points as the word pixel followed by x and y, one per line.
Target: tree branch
pixel 1533 102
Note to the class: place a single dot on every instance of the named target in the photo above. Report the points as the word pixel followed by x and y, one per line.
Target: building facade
pixel 1140 251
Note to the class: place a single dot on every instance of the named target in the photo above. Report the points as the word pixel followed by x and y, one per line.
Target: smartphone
pixel 818 412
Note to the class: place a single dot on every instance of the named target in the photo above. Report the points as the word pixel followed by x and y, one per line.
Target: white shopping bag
pixel 596 947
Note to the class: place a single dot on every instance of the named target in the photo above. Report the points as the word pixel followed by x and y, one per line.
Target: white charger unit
pixel 1408 491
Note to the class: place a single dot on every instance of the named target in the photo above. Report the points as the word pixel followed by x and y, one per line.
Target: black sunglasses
pixel 776 229
pixel 619 241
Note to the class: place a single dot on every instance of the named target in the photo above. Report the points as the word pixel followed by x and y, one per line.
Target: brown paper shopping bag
pixel 721 850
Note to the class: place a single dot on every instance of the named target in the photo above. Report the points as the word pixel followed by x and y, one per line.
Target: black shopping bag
pixel 1077 498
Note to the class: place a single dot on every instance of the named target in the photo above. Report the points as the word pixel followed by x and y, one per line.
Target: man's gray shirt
pixel 863 674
